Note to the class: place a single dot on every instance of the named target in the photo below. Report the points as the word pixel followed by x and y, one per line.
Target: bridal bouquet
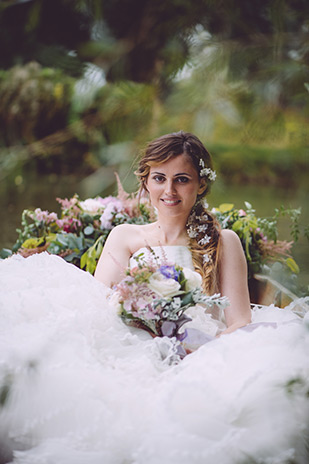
pixel 154 297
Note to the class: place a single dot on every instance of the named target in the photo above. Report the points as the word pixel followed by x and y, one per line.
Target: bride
pixel 176 172
pixel 78 386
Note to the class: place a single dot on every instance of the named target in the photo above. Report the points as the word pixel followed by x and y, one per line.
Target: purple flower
pixel 169 272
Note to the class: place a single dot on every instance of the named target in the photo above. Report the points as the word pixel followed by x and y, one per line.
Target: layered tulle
pixel 78 386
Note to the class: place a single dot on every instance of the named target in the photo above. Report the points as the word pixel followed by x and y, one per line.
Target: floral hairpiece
pixel 197 226
pixel 207 172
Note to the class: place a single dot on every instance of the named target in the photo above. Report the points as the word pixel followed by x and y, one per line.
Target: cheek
pixel 152 188
pixel 192 191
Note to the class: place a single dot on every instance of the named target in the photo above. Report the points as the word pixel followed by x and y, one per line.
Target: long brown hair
pixel 204 255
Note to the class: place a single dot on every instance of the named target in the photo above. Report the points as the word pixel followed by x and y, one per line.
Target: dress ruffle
pixel 78 386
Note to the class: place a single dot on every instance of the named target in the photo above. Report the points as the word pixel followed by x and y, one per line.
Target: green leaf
pixel 238 225
pixel 248 205
pixel 292 265
pixel 253 224
pixel 225 207
pixel 83 260
pixel 54 249
pixel 91 265
pixel 187 299
pixel 86 218
pixel 34 242
pixel 71 257
pixel 92 252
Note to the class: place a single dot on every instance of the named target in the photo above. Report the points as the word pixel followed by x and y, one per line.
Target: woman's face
pixel 174 185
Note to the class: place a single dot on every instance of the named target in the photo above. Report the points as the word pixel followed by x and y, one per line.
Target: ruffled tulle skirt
pixel 78 386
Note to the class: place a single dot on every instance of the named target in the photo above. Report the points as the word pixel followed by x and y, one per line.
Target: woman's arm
pixel 234 281
pixel 115 256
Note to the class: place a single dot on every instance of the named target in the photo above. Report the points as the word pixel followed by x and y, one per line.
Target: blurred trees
pixel 142 40
pixel 34 102
pixel 232 71
pixel 46 31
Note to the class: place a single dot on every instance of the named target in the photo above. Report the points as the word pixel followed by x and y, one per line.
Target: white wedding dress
pixel 77 386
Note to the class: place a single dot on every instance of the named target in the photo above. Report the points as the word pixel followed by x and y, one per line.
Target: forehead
pixel 177 164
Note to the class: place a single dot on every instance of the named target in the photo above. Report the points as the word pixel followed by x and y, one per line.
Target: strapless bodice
pixel 175 254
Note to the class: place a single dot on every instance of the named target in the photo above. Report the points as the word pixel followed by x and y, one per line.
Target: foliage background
pixel 85 84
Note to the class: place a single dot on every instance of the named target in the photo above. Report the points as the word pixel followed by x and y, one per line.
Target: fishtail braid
pixel 204 242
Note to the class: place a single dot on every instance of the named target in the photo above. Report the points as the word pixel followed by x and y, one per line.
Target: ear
pixel 203 186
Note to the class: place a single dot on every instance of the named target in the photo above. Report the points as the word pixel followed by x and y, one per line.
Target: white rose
pixel 91 205
pixel 194 279
pixel 163 286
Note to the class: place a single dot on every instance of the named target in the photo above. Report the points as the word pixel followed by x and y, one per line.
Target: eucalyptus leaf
pixel 5 253
pixel 88 230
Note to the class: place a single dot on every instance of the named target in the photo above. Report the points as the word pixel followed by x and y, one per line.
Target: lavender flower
pixel 170 272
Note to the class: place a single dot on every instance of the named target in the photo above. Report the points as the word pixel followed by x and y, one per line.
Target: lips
pixel 169 202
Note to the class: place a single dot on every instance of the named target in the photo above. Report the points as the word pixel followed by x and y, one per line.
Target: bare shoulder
pixel 229 237
pixel 123 230
pixel 128 236
pixel 231 244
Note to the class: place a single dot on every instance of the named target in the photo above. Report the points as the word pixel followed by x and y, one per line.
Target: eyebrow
pixel 176 175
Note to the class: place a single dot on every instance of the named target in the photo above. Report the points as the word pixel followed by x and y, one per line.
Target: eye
pixel 182 180
pixel 158 178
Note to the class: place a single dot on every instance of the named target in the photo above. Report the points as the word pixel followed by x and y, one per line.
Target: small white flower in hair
pixel 207 172
pixel 206 258
pixel 192 232
pixel 204 240
pixel 202 228
pixel 202 218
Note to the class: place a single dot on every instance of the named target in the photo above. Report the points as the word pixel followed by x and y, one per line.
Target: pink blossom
pixel 242 213
pixel 60 223
pixel 128 304
pixel 110 200
pixel 110 211
pixel 52 217
pixel 68 224
pixel 67 204
pixel 40 215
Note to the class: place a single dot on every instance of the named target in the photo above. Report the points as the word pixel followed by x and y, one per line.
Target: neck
pixel 172 231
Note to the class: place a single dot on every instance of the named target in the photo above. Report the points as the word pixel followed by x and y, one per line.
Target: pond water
pixel 42 192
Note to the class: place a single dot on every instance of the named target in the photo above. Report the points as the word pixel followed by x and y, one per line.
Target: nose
pixel 170 187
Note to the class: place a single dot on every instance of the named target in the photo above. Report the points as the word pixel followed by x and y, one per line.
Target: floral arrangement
pixel 78 234
pixel 259 236
pixel 154 296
